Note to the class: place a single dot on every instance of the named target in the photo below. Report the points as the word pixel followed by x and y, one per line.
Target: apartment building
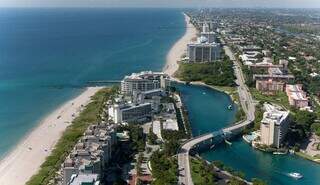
pixel 296 96
pixel 274 126
pixel 144 81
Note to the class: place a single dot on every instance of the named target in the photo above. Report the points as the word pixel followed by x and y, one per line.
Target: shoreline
pixel 25 159
pixel 179 48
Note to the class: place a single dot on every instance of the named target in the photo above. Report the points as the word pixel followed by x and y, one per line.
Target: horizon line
pixel 167 7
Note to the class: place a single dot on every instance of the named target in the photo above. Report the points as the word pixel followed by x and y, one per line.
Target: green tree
pixel 305 119
pixel 152 137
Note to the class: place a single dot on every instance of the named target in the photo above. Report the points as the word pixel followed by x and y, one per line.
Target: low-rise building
pixel 270 86
pixel 297 97
pixel 274 126
pixel 84 179
pixel 91 154
pixel 249 48
pixel 266 53
pixel 170 124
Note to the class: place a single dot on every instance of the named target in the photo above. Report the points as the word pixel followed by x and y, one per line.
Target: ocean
pixel 47 56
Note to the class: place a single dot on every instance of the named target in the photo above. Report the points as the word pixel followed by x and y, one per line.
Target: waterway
pixel 208 112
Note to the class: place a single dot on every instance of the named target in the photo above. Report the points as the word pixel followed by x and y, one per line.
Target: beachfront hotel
pixel 296 96
pixel 274 126
pixel 203 51
pixel 144 81
pixel 128 112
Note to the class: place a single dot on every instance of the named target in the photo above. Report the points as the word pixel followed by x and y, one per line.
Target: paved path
pixel 248 106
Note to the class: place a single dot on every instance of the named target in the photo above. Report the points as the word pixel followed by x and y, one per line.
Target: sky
pixel 163 3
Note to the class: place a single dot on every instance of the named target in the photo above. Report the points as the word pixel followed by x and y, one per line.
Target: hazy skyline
pixel 163 3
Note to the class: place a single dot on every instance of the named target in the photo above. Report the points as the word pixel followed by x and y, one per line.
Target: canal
pixel 208 112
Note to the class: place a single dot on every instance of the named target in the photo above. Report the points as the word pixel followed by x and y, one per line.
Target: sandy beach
pixel 24 160
pixel 179 48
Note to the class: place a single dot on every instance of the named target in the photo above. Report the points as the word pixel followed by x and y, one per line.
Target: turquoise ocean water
pixel 48 55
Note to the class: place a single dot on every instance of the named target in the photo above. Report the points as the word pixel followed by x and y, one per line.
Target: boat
pixel 245 137
pixel 279 153
pixel 291 151
pixel 228 142
pixel 295 175
pixel 230 107
pixel 212 146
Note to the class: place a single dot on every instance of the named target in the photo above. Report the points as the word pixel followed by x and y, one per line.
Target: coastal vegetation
pixel 164 164
pixel 214 73
pixel 152 137
pixel 137 137
pixel 164 168
pixel 91 114
pixel 303 123
pixel 222 166
pixel 202 173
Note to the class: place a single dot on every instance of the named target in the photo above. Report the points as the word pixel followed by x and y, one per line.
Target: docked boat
pixel 246 138
pixel 295 175
pixel 230 107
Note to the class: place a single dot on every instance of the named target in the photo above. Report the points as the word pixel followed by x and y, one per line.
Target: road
pixel 247 103
pixel 246 100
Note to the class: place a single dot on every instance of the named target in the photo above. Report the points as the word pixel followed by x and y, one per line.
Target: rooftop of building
pixel 272 114
pixel 88 179
pixel 170 124
pixel 144 75
pixel 88 150
pixel 275 71
pixel 294 88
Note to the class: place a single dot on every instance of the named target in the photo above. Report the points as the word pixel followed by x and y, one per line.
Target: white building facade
pixel 203 51
pixel 144 81
pixel 274 126
pixel 129 112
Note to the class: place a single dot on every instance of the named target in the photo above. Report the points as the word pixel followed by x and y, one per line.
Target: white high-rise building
pixel 203 51
pixel 274 126
pixel 129 112
pixel 210 35
pixel 144 81
pixel 205 27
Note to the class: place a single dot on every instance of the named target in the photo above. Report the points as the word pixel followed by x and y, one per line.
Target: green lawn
pixel 280 98
pixel 71 135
